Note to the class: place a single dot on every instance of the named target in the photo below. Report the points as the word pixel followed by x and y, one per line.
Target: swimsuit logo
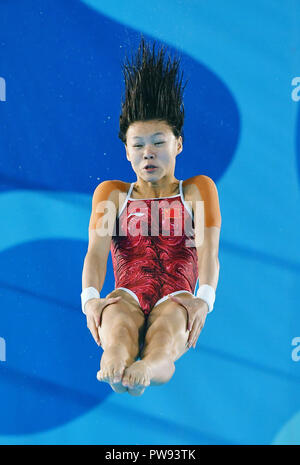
pixel 138 222
pixel 136 214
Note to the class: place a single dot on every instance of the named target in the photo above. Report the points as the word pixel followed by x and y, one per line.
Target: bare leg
pixel 161 365
pixel 156 366
pixel 164 343
pixel 120 332
pixel 118 354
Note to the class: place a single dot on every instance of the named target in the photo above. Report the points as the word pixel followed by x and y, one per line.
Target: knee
pixel 119 325
pixel 115 317
pixel 160 336
pixel 123 329
pixel 121 336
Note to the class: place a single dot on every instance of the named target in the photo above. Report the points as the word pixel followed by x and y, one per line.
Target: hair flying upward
pixel 153 90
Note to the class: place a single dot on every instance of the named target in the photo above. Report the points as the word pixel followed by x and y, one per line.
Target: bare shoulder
pixel 111 185
pixel 110 190
pixel 203 188
pixel 197 187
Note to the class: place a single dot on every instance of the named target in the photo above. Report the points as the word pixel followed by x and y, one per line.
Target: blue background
pixel 61 61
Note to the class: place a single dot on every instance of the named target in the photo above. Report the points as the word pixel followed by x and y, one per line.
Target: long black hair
pixel 153 90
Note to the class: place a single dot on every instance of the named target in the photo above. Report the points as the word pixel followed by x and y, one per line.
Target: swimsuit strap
pixel 180 189
pixel 130 190
pixel 183 201
pixel 127 197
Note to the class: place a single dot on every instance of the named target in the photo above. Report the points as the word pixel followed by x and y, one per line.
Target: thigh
pixel 125 313
pixel 171 318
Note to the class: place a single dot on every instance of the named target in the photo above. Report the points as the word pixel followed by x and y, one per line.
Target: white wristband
pixel 208 294
pixel 87 294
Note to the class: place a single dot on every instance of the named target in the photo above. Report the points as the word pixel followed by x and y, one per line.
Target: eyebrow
pixel 155 134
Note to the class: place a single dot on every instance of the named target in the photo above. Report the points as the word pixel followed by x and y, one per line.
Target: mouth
pixel 150 168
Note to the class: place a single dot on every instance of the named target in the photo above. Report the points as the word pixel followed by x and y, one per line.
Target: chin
pixel 151 177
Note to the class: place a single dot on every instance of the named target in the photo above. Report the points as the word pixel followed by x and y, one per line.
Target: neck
pixel 164 187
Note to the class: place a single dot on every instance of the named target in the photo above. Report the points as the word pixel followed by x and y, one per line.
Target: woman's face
pixel 152 143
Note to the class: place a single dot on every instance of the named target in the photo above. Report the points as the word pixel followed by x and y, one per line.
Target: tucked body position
pixel 163 235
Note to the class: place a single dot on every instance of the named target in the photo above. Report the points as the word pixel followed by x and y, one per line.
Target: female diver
pixel 163 234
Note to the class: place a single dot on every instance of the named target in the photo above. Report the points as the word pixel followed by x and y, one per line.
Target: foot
pixel 111 371
pixel 136 378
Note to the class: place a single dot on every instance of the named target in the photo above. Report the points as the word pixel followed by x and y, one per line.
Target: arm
pixel 104 208
pixel 95 262
pixel 208 261
pixel 207 234
pixel 203 194
pixel 101 226
pixel 203 189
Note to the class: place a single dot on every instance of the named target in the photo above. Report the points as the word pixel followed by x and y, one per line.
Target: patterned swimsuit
pixel 153 250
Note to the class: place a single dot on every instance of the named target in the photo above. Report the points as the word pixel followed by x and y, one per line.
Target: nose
pixel 148 154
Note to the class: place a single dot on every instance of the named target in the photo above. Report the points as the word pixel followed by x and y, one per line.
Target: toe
pixel 125 381
pixel 102 374
pixel 136 391
pixel 117 378
pixel 117 374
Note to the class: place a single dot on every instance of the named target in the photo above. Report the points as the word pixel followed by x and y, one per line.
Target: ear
pixel 179 145
pixel 127 153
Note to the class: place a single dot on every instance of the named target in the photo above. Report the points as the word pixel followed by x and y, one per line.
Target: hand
pixel 197 310
pixel 93 310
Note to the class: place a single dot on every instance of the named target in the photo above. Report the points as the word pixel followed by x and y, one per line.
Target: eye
pixel 156 143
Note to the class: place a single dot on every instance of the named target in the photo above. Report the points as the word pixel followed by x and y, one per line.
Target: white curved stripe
pixel 289 433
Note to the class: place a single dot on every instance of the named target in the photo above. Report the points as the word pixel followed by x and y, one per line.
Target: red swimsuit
pixel 152 250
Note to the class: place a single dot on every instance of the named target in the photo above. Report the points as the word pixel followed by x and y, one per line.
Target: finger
pixel 197 334
pixel 97 318
pixel 179 301
pixel 97 329
pixel 176 299
pixel 190 337
pixel 194 333
pixel 109 301
pixel 194 344
pixel 114 299
pixel 94 331
pixel 194 340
